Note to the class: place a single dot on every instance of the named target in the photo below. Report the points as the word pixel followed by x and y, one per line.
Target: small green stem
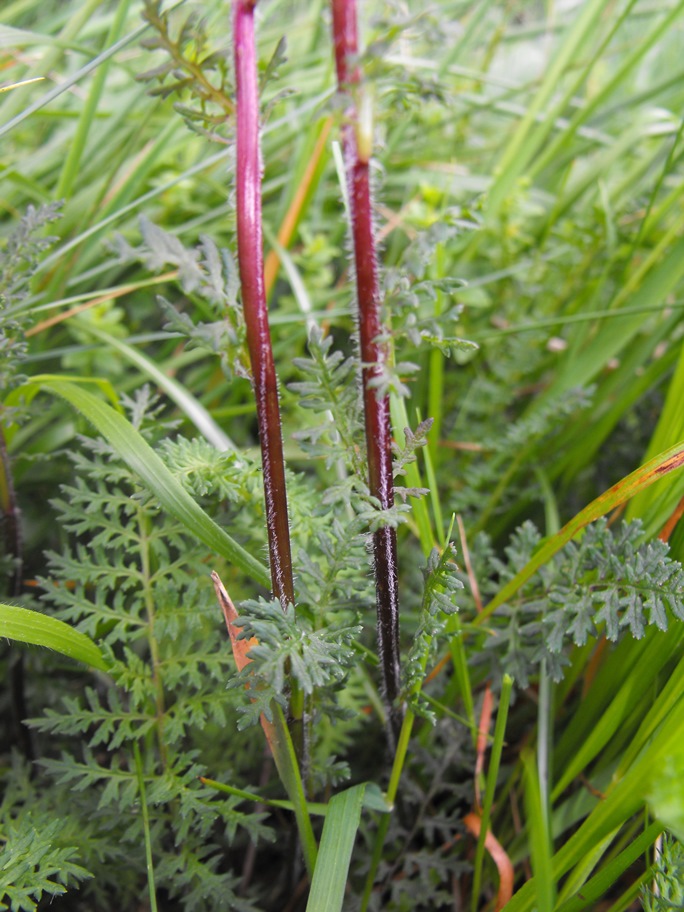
pixel 290 775
pixel 146 827
pixel 393 787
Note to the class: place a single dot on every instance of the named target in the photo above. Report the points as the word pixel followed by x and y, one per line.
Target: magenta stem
pixel 374 354
pixel 251 265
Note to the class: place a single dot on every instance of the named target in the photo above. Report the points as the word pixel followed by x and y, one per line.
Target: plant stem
pixel 357 141
pixel 403 740
pixel 10 527
pixel 149 863
pixel 251 265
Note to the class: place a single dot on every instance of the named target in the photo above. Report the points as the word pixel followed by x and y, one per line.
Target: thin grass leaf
pixel 72 80
pixel 149 861
pixel 522 145
pixel 622 800
pixel 185 401
pixel 595 888
pixel 490 786
pixel 539 837
pixel 290 775
pixel 77 146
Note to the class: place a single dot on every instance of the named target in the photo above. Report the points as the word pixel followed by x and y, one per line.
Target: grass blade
pixel 149 863
pixel 594 889
pixel 337 842
pixel 282 748
pixel 143 460
pixel 539 836
pixel 492 777
pixel 185 401
pixel 37 629
pixel 72 80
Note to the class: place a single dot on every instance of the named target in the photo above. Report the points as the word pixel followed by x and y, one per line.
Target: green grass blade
pixel 419 511
pixel 614 83
pixel 594 889
pixel 37 629
pixel 49 61
pixel 72 80
pixel 392 788
pixel 149 861
pixel 539 836
pixel 669 429
pixel 622 800
pixel 143 460
pixel 516 156
pixel 337 842
pixel 492 778
pixel 651 659
pixel 185 401
pixel 77 145
pixel 661 270
pixel 667 700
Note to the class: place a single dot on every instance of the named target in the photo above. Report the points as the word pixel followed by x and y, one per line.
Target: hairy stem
pixel 251 265
pixel 10 525
pixel 357 142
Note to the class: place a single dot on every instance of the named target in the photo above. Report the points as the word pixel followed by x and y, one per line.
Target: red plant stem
pixel 374 353
pixel 251 265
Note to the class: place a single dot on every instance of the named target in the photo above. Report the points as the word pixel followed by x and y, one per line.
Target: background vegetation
pixel 528 183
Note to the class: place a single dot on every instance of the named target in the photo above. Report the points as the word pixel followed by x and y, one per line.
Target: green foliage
pixel 329 388
pixel 198 75
pixel 19 258
pixel 314 657
pixel 206 272
pixel 440 592
pixel 602 584
pixel 528 189
pixel 128 579
pixel 39 855
pixel 667 888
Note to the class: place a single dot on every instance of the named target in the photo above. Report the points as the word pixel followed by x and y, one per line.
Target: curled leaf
pixel 499 857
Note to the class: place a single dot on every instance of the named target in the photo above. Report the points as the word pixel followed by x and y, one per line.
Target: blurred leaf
pixel 37 629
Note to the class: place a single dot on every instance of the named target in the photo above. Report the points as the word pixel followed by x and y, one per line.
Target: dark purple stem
pixel 374 354
pixel 10 520
pixel 251 264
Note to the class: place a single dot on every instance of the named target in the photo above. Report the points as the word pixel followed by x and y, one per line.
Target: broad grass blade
pixel 37 629
pixel 148 466
pixel 337 842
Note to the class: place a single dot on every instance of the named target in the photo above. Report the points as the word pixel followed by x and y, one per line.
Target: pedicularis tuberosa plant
pixel 534 715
